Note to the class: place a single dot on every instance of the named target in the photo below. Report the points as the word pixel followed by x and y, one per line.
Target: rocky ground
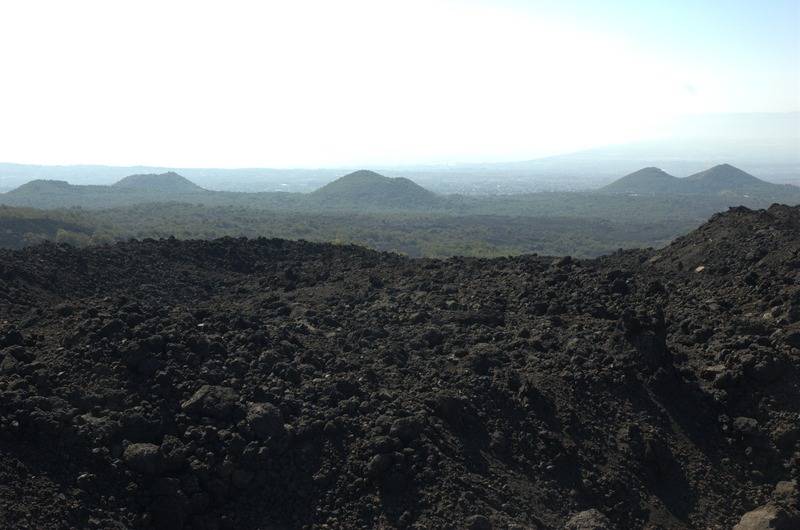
pixel 266 384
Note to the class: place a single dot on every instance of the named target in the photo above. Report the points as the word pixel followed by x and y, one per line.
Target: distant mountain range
pixel 358 191
pixel 763 144
pixel 134 189
pixel 720 179
pixel 367 191
pixel 646 208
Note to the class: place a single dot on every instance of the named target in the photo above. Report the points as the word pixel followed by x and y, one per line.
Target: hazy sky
pixel 309 83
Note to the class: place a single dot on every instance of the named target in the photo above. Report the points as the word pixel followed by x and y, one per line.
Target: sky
pixel 318 83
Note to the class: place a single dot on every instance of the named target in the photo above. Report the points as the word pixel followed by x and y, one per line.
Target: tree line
pixel 414 234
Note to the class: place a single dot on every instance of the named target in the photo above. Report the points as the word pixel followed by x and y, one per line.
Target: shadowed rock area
pixel 267 384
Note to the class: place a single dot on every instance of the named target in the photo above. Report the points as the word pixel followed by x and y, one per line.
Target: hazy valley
pixel 647 208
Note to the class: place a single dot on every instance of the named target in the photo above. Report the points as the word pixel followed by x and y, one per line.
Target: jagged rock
pixel 379 464
pixel 747 427
pixel 787 490
pixel 210 400
pixel 145 458
pixel 406 429
pixel 265 420
pixel 769 517
pixel 478 522
pixel 137 428
pixel 588 520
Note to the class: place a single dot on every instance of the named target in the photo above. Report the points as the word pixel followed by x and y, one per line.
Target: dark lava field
pixel 269 384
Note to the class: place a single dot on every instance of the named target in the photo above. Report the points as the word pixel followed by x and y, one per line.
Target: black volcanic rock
pixel 264 383
pixel 211 401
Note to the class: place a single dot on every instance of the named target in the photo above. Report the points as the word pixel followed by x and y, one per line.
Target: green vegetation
pixel 367 209
pixel 21 227
pixel 414 234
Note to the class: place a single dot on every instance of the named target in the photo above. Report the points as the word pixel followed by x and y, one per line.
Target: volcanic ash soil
pixel 267 384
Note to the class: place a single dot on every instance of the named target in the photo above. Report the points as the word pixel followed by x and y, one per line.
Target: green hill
pixel 41 186
pixel 726 178
pixel 722 179
pixel 366 190
pixel 647 180
pixel 136 189
pixel 55 194
pixel 169 182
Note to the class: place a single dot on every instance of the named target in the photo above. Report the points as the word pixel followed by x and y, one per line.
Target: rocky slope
pixel 270 384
